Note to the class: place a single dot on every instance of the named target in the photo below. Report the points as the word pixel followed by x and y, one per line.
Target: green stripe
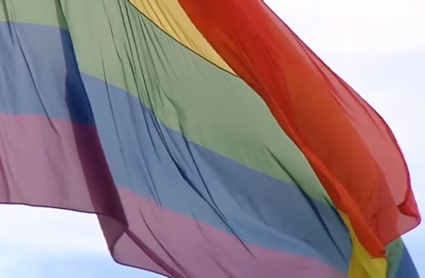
pixel 394 253
pixel 212 108
pixel 42 12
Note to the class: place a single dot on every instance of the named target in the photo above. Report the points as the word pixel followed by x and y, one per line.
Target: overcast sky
pixel 377 46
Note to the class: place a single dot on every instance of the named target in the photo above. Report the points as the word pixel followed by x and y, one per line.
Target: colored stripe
pixel 362 264
pixel 171 18
pixel 394 252
pixel 156 162
pixel 37 11
pixel 120 45
pixel 316 108
pixel 51 162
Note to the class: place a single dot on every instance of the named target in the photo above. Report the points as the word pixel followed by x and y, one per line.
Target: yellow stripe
pixel 172 19
pixel 362 264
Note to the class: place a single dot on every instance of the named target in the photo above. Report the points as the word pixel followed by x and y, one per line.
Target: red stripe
pixel 349 146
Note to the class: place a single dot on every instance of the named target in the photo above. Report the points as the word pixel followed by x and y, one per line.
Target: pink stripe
pixel 56 163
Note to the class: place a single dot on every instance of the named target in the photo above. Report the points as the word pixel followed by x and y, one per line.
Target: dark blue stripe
pixel 38 75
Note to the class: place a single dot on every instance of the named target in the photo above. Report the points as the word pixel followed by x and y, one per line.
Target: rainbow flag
pixel 209 140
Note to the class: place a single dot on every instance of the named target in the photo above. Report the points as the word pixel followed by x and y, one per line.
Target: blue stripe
pixel 406 268
pixel 38 75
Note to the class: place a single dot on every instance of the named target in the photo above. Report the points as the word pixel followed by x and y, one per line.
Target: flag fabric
pixel 209 140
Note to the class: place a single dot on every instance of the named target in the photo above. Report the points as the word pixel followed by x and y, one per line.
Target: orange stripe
pixel 349 146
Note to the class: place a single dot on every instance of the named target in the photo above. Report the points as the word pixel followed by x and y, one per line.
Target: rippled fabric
pixel 128 110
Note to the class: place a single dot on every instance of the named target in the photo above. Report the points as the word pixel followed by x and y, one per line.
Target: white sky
pixel 377 46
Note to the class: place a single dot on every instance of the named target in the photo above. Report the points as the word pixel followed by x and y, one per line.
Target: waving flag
pixel 209 140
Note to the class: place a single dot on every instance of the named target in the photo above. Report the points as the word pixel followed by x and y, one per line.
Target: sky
pixel 377 46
